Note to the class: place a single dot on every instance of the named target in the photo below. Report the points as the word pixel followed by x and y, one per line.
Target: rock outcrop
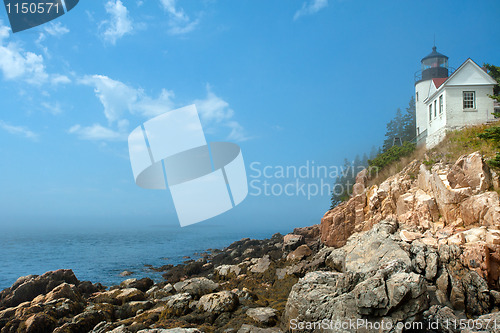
pixel 376 283
pixel 443 205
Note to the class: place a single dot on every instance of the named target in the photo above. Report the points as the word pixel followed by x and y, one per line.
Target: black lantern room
pixel 435 65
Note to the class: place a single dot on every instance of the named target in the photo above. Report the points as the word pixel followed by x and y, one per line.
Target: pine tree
pixel 389 135
pixel 343 184
pixel 494 72
pixel 409 122
pixel 364 161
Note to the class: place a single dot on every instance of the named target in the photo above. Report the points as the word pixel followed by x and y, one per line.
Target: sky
pixel 293 83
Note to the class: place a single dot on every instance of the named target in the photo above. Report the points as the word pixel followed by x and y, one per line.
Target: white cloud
pixel 60 79
pixel 119 23
pixel 18 130
pixel 115 96
pixel 118 98
pixel 55 29
pixel 213 108
pixel 16 63
pixel 179 22
pixel 52 29
pixel 54 108
pixel 237 133
pixel 150 107
pixel 214 111
pixel 121 100
pixel 310 7
pixel 4 31
pixel 97 132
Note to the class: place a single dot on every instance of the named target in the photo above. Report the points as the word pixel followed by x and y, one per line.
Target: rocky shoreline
pixel 417 253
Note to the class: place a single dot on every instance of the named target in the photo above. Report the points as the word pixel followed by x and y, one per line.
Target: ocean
pixel 100 255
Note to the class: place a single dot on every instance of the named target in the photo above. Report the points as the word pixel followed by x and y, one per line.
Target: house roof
pixel 443 84
pixel 439 81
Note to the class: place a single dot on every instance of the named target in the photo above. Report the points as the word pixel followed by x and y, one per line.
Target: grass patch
pixel 455 144
pixel 464 141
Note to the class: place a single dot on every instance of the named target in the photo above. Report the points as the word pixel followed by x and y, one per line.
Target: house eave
pixel 445 83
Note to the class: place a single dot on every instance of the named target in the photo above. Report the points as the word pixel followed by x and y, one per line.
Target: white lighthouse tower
pixel 434 66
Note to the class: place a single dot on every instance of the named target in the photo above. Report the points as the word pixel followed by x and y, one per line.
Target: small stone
pixel 409 236
pixel 292 241
pixel 223 301
pixel 245 328
pixel 265 316
pixel 299 253
pixel 226 270
pixel 196 286
pixel 456 239
pixel 493 237
pixel 126 273
pixel 261 265
pixel 430 241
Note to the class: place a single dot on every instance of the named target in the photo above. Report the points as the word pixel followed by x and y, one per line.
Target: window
pixel 469 99
pixel 417 96
pixel 430 112
pixel 441 104
pixel 435 109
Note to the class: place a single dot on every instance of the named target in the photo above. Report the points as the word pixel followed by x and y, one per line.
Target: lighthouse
pixel 434 66
pixel 448 99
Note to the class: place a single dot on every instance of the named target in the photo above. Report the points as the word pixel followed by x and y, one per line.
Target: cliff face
pixel 446 205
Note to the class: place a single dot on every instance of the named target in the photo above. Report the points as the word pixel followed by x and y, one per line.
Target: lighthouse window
pixel 469 99
pixel 441 104
pixel 430 112
pixel 435 109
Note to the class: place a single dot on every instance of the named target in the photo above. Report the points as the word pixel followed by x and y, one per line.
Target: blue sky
pixel 289 81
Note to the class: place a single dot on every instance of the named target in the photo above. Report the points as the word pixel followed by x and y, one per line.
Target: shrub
pixel 393 154
pixel 492 134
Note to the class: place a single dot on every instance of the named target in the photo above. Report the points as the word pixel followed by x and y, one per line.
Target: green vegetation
pixel 402 128
pixel 398 137
pixel 494 72
pixel 343 184
pixel 492 134
pixel 464 141
pixel 391 155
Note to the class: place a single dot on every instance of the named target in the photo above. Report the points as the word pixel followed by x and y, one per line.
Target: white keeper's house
pixel 447 100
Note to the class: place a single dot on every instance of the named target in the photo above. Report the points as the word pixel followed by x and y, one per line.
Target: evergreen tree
pixel 373 153
pixel 356 163
pixel 494 72
pixel 364 161
pixel 342 188
pixel 402 126
pixel 390 133
pixel 395 129
pixel 409 122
